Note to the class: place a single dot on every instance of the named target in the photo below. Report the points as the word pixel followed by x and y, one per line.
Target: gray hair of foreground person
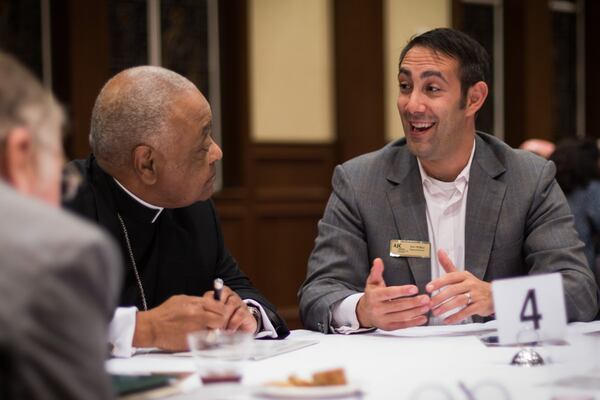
pixel 135 111
pixel 25 103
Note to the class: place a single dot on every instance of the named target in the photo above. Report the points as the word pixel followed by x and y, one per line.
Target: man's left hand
pixel 461 289
pixel 232 311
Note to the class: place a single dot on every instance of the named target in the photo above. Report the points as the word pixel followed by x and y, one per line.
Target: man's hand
pixel 461 289
pixel 231 312
pixel 167 325
pixel 389 308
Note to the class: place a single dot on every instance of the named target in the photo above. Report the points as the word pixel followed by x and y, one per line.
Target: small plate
pixel 307 392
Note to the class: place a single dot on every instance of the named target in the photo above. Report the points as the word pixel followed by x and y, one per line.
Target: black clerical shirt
pixel 182 252
pixel 144 227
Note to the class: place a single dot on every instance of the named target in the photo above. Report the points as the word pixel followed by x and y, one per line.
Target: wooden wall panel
pixel 88 66
pixel 233 226
pixel 283 244
pixel 359 77
pixel 286 186
pixel 234 90
pixel 291 188
pixel 304 163
pixel 528 91
pixel 274 193
pixel 271 226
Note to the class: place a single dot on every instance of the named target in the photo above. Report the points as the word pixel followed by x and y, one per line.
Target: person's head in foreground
pixel 59 276
pixel 31 155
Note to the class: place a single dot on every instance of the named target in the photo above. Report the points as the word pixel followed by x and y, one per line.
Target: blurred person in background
pixel 541 147
pixel 577 174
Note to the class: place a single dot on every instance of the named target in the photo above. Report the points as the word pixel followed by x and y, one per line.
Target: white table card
pixel 530 308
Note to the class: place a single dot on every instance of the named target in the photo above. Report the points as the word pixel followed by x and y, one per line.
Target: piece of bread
pixel 295 381
pixel 329 377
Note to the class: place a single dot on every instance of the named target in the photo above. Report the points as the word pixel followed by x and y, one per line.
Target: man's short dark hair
pixel 473 59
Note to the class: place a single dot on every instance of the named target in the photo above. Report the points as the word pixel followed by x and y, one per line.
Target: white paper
pixel 260 350
pixel 443 330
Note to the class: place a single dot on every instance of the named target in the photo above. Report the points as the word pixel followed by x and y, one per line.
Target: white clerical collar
pixel 461 180
pixel 142 202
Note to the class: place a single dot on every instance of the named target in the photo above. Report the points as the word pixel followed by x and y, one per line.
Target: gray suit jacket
pixel 517 223
pixel 59 282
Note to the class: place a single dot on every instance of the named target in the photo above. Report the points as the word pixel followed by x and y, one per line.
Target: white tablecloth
pixel 419 367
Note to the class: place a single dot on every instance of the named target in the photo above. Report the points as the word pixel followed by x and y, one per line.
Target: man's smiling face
pixel 430 106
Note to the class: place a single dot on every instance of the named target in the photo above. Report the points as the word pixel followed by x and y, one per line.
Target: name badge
pixel 409 248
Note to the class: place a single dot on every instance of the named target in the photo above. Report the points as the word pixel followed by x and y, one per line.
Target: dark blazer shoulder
pixel 510 158
pixel 389 163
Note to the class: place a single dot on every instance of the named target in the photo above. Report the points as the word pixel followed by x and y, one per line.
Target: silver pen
pixel 218 288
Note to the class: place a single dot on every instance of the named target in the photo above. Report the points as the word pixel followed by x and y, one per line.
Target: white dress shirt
pixel 122 325
pixel 446 212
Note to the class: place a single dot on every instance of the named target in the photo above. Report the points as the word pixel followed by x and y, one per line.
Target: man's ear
pixel 17 164
pixel 476 97
pixel 144 164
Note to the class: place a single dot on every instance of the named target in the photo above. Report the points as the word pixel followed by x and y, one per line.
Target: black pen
pixel 218 286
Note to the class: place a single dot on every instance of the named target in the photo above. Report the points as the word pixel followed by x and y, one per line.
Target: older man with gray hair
pixel 59 276
pixel 148 182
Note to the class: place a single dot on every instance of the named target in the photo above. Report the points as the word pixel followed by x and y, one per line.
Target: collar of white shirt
pixel 142 202
pixel 439 188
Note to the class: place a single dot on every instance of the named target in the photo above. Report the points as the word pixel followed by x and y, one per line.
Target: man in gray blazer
pixel 59 276
pixel 440 213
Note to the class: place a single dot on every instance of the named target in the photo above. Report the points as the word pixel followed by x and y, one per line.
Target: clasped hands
pixel 167 325
pixel 397 307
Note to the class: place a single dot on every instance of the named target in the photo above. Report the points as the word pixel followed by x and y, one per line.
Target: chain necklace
pixel 135 270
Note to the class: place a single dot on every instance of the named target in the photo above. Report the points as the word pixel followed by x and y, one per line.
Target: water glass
pixel 220 355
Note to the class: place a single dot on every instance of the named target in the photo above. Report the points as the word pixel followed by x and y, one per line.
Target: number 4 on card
pixel 531 307
pixel 533 315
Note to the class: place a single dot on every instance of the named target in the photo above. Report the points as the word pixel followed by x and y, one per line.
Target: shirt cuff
pixel 344 319
pixel 121 330
pixel 267 331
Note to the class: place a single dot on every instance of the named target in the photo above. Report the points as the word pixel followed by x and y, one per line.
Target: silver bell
pixel 527 357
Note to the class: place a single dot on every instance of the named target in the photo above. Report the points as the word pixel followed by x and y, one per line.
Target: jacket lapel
pixel 484 201
pixel 407 202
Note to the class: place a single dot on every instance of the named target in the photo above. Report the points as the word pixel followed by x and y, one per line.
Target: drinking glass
pixel 219 355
